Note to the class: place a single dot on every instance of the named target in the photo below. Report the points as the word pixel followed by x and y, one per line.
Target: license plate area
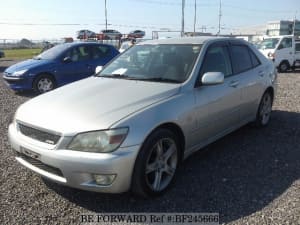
pixel 30 153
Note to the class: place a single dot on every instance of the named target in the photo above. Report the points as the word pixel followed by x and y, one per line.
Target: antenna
pixel 182 19
pixel 195 17
pixel 105 16
pixel 220 15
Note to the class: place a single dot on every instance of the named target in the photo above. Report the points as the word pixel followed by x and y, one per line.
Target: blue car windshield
pixel 53 52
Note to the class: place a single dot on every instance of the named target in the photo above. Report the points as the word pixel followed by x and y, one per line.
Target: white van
pixel 284 51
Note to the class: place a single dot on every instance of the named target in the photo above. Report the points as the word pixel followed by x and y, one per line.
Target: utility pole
pixel 294 24
pixel 182 18
pixel 220 15
pixel 105 16
pixel 195 17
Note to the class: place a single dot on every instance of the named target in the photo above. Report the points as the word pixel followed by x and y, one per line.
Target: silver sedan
pixel 129 126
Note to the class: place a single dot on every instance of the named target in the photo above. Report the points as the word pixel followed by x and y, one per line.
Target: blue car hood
pixel 27 64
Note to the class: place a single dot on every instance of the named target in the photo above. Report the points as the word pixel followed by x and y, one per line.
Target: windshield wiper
pixel 161 79
pixel 117 76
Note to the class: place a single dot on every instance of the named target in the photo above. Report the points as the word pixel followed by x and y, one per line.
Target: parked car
pixel 130 125
pixel 85 34
pixel 2 54
pixel 282 50
pixel 110 34
pixel 58 66
pixel 136 34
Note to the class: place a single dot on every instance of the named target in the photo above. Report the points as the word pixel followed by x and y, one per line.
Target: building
pixel 283 27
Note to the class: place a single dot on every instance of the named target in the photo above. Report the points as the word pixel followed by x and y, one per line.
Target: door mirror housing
pixel 67 59
pixel 98 69
pixel 212 78
pixel 280 47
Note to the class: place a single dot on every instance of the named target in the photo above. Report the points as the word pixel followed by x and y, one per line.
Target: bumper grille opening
pixel 40 165
pixel 39 135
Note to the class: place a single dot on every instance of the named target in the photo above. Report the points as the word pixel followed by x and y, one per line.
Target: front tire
pixel 156 164
pixel 283 66
pixel 43 83
pixel 264 110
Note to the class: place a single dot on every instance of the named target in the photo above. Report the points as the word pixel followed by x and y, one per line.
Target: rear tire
pixel 43 83
pixel 156 164
pixel 264 110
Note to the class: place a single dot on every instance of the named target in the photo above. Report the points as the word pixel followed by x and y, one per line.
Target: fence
pixel 25 43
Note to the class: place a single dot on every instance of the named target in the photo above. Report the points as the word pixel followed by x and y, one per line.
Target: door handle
pixel 234 83
pixel 261 73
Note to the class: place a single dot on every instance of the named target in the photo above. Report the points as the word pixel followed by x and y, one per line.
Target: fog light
pixel 104 179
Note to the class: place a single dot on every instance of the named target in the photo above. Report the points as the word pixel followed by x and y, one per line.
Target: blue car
pixel 60 65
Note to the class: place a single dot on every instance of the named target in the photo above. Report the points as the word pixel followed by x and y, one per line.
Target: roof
pixel 183 40
pixel 85 43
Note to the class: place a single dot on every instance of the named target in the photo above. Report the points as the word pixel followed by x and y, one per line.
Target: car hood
pixel 27 64
pixel 92 104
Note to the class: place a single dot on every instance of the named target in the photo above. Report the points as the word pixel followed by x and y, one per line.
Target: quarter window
pixel 241 60
pixel 254 59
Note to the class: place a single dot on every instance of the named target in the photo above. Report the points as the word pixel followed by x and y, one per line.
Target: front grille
pixel 40 165
pixel 39 135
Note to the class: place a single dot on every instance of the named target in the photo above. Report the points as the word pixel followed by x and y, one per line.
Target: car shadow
pixel 236 176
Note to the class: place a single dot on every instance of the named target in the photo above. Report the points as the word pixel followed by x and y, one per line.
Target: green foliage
pixel 22 53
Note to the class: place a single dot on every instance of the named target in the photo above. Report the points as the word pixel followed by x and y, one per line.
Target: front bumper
pixel 18 83
pixel 77 168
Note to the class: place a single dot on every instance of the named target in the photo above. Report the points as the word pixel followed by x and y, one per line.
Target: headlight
pixel 19 73
pixel 99 141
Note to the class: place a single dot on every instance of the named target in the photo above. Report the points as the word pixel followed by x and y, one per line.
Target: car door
pixel 250 72
pixel 285 51
pixel 216 106
pixel 297 54
pixel 75 65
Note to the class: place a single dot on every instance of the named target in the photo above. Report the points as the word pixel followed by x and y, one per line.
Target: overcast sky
pixel 55 19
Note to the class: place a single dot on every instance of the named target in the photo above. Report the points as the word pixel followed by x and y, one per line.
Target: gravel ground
pixel 250 177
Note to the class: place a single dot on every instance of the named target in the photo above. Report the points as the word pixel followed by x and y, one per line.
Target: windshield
pixel 269 43
pixel 158 63
pixel 53 52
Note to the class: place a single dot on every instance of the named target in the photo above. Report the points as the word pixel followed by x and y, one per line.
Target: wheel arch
pixel 175 128
pixel 270 89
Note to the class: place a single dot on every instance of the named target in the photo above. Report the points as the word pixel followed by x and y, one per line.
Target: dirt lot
pixel 250 177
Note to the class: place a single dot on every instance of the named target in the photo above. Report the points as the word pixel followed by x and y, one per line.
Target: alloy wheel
pixel 266 108
pixel 161 164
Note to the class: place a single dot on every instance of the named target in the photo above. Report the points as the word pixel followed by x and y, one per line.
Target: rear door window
pixel 241 59
pixel 99 51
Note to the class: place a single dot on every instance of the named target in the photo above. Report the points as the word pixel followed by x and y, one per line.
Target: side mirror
pixel 212 78
pixel 98 69
pixel 67 59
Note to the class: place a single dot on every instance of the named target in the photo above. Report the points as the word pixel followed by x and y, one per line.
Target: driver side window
pixel 217 60
pixel 286 43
